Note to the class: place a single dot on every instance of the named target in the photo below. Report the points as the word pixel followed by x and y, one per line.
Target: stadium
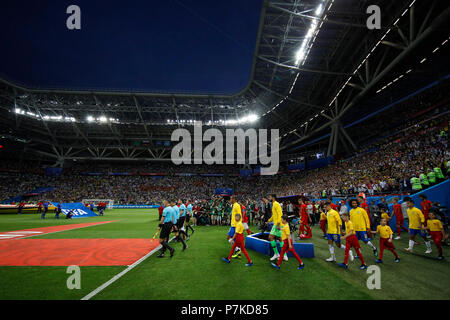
pixel 239 150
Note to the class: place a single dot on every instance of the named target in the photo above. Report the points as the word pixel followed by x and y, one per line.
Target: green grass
pixel 199 273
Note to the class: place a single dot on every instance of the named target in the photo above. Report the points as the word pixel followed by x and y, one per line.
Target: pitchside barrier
pixel 135 206
pixel 79 210
pixel 29 208
pixel 259 243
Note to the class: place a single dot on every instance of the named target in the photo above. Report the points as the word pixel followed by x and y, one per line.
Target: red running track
pixel 80 252
pixel 45 230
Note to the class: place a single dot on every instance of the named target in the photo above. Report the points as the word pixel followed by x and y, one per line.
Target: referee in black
pixel 166 227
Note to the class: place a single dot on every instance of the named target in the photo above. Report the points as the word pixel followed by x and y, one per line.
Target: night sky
pixel 194 46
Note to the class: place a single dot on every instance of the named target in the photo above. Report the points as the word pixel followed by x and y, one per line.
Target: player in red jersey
pixel 304 219
pixel 426 206
pixel 307 219
pixel 333 205
pixel 160 209
pixel 40 206
pixel 363 204
pixel 196 213
pixel 301 212
pixel 245 219
pixel 397 211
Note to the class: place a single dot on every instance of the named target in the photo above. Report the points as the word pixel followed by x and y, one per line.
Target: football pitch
pixel 199 274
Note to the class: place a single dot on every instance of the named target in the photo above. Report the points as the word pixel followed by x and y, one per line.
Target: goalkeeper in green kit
pixel 276 229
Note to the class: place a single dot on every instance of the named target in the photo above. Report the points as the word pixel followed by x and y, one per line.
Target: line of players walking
pixel 279 230
pixel 175 219
pixel 357 228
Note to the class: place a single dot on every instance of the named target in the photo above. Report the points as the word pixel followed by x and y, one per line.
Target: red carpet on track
pixel 80 252
pixel 45 230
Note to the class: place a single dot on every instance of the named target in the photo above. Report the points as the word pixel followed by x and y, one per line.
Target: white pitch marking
pixel 25 232
pixel 119 275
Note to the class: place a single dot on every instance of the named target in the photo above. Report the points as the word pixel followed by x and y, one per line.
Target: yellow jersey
pixel 416 218
pixel 323 216
pixel 360 219
pixel 234 212
pixel 384 231
pixel 239 227
pixel 285 231
pixel 334 222
pixel 349 227
pixel 435 225
pixel 276 213
pixel 384 215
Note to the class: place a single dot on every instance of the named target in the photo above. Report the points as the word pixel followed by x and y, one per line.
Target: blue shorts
pixel 413 232
pixel 362 235
pixel 334 237
pixel 231 231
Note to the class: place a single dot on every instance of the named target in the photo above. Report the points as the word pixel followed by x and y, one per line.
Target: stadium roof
pixel 314 61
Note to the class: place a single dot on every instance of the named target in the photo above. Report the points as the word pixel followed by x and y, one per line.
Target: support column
pixel 336 137
pixel 330 143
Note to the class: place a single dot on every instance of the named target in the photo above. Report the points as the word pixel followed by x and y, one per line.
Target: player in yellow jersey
pixel 416 226
pixel 351 241
pixel 275 232
pixel 385 240
pixel 334 231
pixel 385 215
pixel 238 240
pixel 236 210
pixel 288 245
pixel 436 231
pixel 361 222
pixel 323 222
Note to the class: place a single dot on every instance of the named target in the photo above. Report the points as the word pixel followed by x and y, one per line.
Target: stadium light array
pixel 30 114
pixel 307 43
pixel 251 118
pixel 319 10
pixel 101 119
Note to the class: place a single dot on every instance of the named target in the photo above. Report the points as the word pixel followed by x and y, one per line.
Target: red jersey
pixel 303 213
pixel 244 214
pixel 398 211
pixel 161 209
pixel 426 205
pixel 365 206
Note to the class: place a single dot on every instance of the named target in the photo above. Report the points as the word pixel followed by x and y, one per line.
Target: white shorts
pixel 245 225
